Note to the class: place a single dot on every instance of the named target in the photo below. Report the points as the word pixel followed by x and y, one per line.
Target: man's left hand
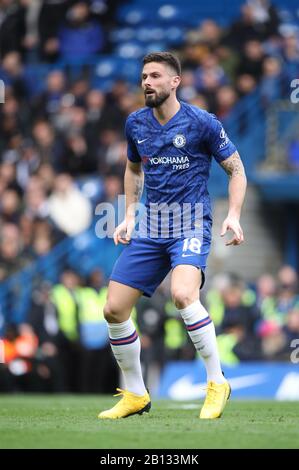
pixel 233 224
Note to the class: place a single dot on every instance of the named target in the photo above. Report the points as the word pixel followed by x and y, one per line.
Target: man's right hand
pixel 124 231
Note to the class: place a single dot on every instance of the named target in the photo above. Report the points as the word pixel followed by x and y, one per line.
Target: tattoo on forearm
pixel 233 166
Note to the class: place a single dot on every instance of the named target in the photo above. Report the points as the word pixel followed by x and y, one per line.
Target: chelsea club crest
pixel 179 141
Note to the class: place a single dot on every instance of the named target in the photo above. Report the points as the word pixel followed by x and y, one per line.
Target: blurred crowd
pixel 64 347
pixel 63 130
pixel 222 66
pixel 58 131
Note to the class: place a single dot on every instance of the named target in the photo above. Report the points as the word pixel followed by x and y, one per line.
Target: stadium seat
pixel 118 35
pixel 133 15
pixel 130 50
pixel 110 68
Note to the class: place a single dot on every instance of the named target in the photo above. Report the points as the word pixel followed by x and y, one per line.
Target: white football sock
pixel 202 332
pixel 125 344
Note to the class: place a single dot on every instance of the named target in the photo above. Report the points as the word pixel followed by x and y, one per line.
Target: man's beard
pixel 155 100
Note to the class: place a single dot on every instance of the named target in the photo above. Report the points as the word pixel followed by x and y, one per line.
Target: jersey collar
pixel 171 120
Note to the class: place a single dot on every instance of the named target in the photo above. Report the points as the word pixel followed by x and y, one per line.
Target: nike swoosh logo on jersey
pixel 140 141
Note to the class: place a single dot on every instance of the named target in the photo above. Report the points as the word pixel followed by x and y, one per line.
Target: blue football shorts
pixel 145 262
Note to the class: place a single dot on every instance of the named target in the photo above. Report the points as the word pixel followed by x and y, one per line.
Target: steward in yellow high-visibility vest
pixel 67 311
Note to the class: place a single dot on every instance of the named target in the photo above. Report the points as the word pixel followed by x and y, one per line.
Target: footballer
pixel 170 148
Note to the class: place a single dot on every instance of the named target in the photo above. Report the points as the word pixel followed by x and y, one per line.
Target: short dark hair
pixel 165 57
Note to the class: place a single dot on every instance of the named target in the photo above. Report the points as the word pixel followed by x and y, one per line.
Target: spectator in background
pixel 13 121
pixel 99 372
pixel 259 21
pixel 80 37
pixel 235 310
pixel 265 16
pixel 12 27
pixel 266 290
pixel 26 226
pixel 245 84
pixel 49 147
pixel 13 74
pixel 42 245
pixel 209 76
pixel 28 162
pixel 78 120
pixel 77 160
pixel 273 341
pixel 69 209
pixel 100 113
pixel 192 54
pixel 43 240
pixel 12 257
pixel 113 187
pixel 109 151
pixel 228 61
pixel 48 103
pixel 287 276
pixel 208 70
pixel 119 89
pixel 79 89
pixel 291 328
pixel 43 319
pixel 64 298
pixel 36 198
pixel 10 206
pixel 8 177
pixel 129 103
pixel 287 296
pixel 31 37
pixel 187 90
pixel 290 54
pixel 208 32
pixel 237 339
pixel 84 347
pixel 95 105
pixel 226 98
pixel 252 60
pixel 277 341
pixel 272 82
pixel 50 18
pixel 200 101
pixel 275 307
pixel 47 175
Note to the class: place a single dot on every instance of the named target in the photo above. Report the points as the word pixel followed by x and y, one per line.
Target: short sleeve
pixel 132 151
pixel 218 142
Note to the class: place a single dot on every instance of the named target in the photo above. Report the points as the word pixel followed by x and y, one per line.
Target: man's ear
pixel 176 81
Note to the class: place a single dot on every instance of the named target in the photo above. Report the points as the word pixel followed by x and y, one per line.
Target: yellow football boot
pixel 130 404
pixel 216 398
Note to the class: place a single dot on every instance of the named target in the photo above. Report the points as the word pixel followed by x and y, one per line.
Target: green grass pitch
pixel 70 422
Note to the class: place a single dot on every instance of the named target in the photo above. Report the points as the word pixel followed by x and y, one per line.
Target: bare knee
pixel 114 313
pixel 183 297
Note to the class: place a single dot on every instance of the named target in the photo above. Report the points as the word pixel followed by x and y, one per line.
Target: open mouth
pixel 149 92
